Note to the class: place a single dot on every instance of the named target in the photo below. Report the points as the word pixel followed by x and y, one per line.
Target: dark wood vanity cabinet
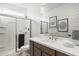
pixel 47 51
pixel 37 49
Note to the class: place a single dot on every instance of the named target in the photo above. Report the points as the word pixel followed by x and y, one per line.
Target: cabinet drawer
pixel 49 51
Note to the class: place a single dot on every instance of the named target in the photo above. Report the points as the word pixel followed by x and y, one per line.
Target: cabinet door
pixel 37 51
pixel 49 51
pixel 31 48
pixel 60 54
pixel 45 54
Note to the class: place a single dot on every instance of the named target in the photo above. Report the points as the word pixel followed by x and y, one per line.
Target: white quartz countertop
pixel 64 45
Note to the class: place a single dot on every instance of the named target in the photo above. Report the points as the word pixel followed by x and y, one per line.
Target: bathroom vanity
pixel 37 49
pixel 47 47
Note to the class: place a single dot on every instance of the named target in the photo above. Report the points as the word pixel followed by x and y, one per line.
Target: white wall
pixel 35 28
pixel 70 11
pixel 33 12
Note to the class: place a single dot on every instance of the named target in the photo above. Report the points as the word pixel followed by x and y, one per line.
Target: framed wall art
pixel 63 25
pixel 52 21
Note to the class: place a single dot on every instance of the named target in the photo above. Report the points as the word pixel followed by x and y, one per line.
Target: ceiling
pixel 50 6
pixel 25 5
pixel 47 6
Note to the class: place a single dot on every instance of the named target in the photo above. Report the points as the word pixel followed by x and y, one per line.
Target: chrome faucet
pixel 52 36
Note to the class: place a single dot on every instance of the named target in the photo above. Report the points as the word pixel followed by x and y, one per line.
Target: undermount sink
pixel 68 45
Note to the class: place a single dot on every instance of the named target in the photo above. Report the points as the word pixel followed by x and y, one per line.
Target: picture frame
pixel 52 21
pixel 63 25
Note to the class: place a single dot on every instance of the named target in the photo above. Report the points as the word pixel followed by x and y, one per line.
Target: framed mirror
pixel 44 27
